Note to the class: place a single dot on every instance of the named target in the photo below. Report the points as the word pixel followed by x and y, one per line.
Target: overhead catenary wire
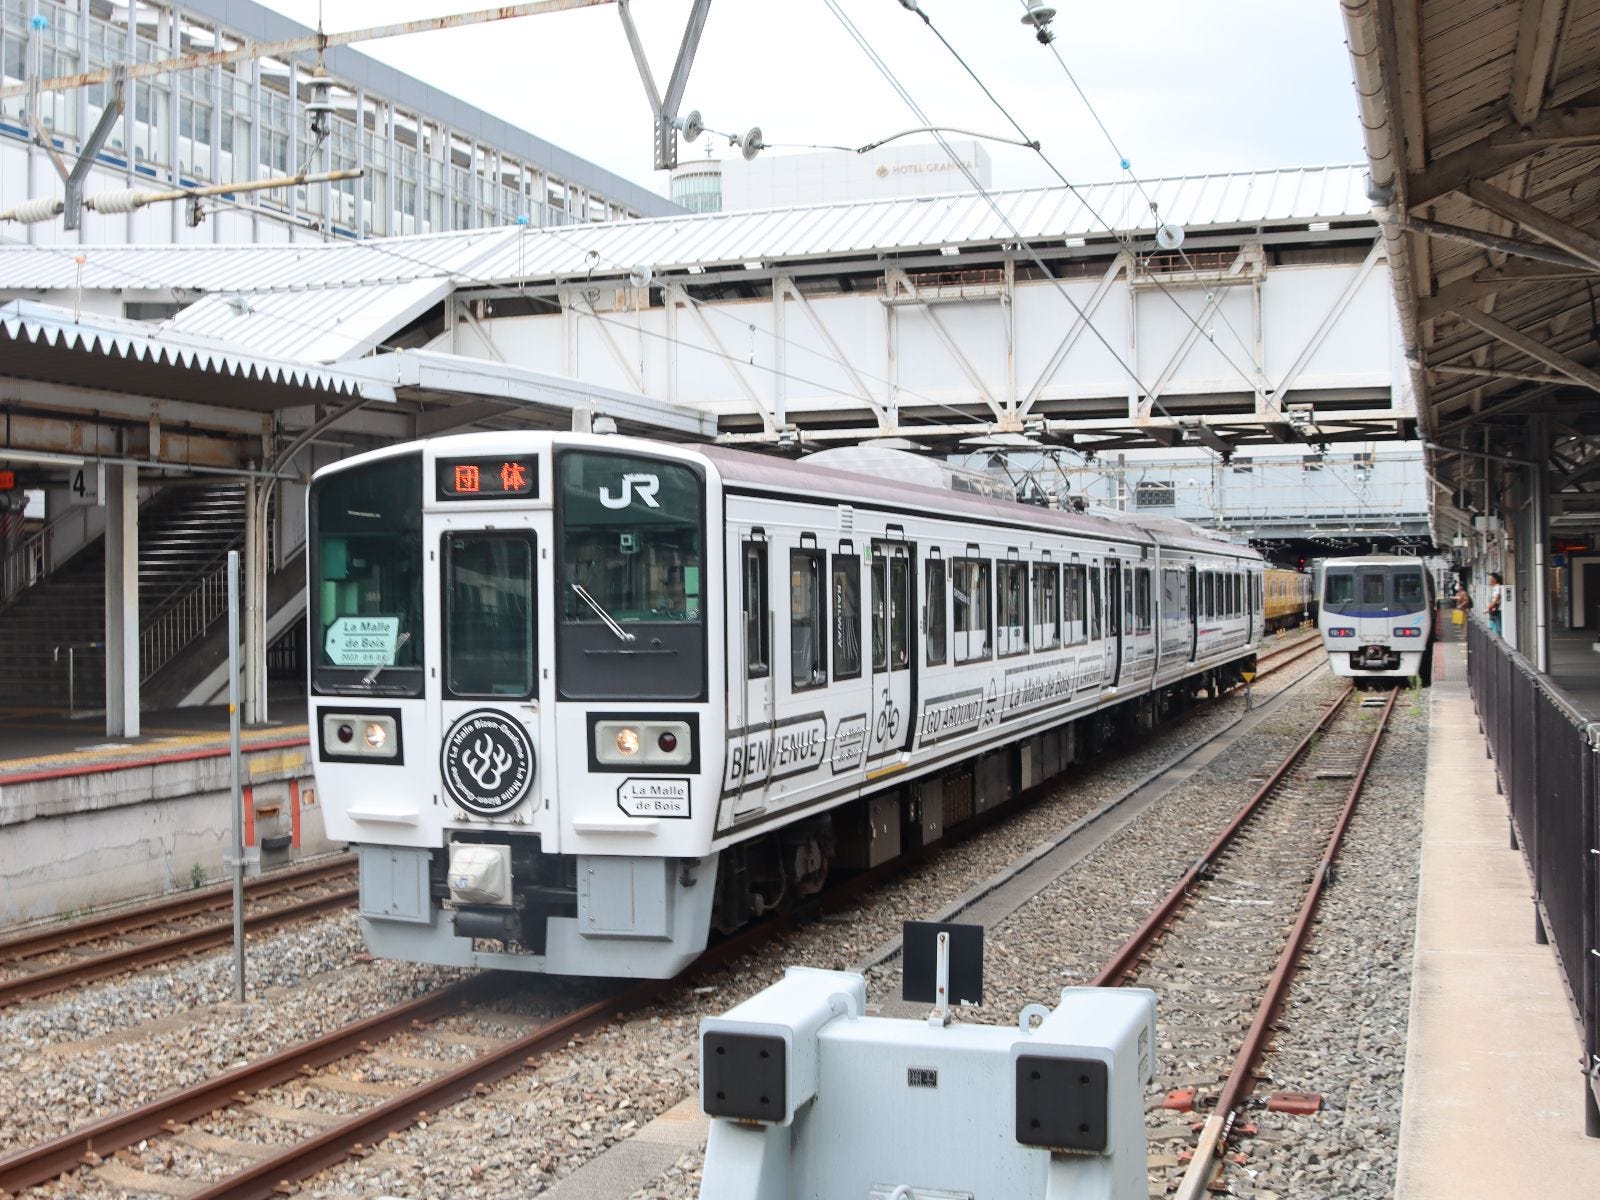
pixel 913 6
pixel 1123 238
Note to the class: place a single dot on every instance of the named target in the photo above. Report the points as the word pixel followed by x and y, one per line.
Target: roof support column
pixel 254 588
pixel 122 601
pixel 1539 481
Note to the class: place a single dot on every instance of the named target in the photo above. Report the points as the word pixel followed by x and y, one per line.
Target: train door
pixel 495 741
pixel 1114 621
pixel 891 609
pixel 1194 614
pixel 752 673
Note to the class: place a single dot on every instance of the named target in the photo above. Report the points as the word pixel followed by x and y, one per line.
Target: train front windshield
pixel 1380 590
pixel 631 611
pixel 366 571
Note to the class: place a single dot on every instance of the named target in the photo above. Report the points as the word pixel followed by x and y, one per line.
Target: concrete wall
pixel 85 841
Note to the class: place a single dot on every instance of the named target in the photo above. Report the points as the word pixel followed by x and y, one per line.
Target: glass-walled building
pixel 430 164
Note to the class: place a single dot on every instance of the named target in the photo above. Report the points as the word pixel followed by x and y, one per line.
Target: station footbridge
pixel 1042 320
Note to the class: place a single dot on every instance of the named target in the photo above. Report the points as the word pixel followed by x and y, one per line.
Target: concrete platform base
pixel 1493 1089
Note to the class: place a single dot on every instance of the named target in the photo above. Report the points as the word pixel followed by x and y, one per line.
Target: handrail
pixel 15 577
pixel 179 622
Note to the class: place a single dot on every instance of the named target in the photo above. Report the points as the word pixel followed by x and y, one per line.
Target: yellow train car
pixel 1288 598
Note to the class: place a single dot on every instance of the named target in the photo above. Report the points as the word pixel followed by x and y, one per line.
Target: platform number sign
pixel 85 486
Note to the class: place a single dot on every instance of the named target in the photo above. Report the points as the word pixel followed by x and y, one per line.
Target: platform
pixel 1492 1102
pixel 1575 667
pixel 90 821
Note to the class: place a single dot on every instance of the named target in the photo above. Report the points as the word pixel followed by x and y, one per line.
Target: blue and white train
pixel 577 701
pixel 1377 618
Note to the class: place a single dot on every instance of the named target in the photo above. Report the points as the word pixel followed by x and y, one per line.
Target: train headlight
pixel 361 736
pixel 1340 631
pixel 1408 632
pixel 641 743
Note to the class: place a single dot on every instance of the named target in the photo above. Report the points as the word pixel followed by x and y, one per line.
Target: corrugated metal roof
pixel 316 325
pixel 1283 197
pixel 27 328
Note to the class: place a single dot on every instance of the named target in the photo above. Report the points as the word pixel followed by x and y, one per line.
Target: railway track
pixel 57 957
pixel 1294 648
pixel 274 1170
pixel 1226 940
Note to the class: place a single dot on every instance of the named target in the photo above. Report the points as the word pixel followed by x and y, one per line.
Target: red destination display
pixel 488 478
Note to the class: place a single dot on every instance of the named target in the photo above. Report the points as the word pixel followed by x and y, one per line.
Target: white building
pixel 773 180
pixel 428 162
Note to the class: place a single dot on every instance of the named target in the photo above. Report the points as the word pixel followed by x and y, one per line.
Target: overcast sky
pixel 1184 87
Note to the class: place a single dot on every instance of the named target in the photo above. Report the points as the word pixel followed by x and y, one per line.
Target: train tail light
pixel 1408 632
pixel 1340 631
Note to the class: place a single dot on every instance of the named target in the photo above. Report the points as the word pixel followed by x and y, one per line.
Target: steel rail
pixel 271 1176
pixel 278 1174
pixel 194 941
pixel 86 1145
pixel 1283 656
pixel 171 908
pixel 1124 960
pixel 1241 1080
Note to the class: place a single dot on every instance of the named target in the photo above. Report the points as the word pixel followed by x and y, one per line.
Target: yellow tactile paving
pixel 175 741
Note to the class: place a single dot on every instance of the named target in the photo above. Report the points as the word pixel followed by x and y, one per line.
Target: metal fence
pixel 1547 758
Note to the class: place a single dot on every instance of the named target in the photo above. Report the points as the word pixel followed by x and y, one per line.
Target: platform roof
pixel 41 342
pixel 1482 122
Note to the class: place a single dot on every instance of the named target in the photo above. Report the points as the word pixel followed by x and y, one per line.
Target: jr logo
pixel 645 486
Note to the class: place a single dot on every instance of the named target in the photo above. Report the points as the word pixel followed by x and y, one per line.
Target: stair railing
pixel 182 620
pixel 28 562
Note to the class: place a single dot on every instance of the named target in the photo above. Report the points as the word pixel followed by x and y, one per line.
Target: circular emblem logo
pixel 882 171
pixel 487 762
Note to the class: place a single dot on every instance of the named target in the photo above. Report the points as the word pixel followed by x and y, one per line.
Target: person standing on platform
pixel 1463 602
pixel 1495 596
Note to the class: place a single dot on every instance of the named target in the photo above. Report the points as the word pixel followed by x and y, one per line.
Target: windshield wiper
pixel 367 679
pixel 622 634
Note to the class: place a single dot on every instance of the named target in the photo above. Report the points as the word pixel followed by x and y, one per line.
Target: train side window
pixel 1208 590
pixel 488 595
pixel 934 622
pixel 846 616
pixel 1012 636
pixel 970 593
pixel 1143 617
pixel 899 612
pixel 1046 606
pixel 879 603
pixel 753 600
pixel 1094 602
pixel 1077 630
pixel 808 655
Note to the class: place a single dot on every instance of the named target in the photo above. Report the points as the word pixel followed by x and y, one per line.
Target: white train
pixel 579 700
pixel 1377 618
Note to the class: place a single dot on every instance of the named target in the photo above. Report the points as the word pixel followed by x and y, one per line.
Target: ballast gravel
pixel 107 1046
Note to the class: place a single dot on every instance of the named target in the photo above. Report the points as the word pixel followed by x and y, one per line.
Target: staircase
pixel 184 536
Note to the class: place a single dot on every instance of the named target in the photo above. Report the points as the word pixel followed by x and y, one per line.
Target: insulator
pixel 125 201
pixel 31 212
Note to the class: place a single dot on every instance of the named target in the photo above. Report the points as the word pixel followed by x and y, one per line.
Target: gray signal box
pixel 810 1097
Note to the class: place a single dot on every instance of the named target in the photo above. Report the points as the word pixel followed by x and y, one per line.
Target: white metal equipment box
pixel 810 1098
